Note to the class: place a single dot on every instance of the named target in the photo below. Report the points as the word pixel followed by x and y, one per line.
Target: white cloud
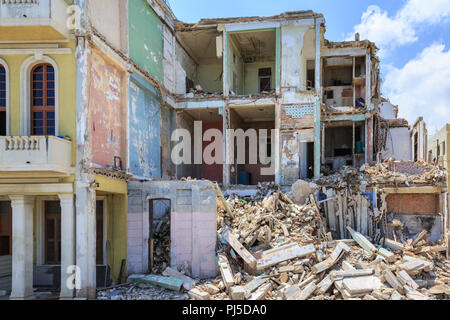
pixel 390 32
pixel 422 87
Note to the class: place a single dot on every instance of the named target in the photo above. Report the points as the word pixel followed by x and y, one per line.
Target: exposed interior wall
pixel 398 145
pixel 107 98
pixel 168 124
pixel 185 67
pixel 145 38
pixel 339 148
pixel 291 47
pixel 209 76
pixel 145 130
pixel 251 79
pixel 297 135
pixel 413 203
pixel 235 69
pixel 184 121
pixel 438 147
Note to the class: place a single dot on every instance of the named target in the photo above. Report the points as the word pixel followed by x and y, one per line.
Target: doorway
pixel 52 233
pixel 159 239
pixel 5 245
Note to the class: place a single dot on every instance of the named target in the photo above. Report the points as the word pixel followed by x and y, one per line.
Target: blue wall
pixel 145 128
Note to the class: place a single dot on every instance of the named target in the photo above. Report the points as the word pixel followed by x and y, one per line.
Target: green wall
pixel 145 38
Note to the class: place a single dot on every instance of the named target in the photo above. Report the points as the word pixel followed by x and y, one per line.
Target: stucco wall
pixel 145 38
pixel 398 145
pixel 144 126
pixel 107 94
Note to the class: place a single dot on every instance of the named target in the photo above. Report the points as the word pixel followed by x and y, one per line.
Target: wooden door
pixel 52 233
pixel 5 228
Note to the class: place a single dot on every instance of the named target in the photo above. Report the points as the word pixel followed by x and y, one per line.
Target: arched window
pixel 43 100
pixel 3 100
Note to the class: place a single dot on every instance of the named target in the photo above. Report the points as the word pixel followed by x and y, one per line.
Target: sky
pixel 413 37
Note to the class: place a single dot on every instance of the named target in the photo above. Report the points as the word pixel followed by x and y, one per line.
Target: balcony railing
pixel 36 155
pixel 48 15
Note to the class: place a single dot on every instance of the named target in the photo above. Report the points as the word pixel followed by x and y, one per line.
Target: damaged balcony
pixel 33 20
pixel 201 69
pixel 344 83
pixel 251 64
pixel 35 157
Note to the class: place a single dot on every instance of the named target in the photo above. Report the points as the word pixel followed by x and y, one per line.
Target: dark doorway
pixel 99 227
pixel 159 240
pixel 5 228
pixel 310 159
pixel 52 233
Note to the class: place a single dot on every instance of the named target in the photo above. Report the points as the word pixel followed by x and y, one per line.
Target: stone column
pixel 67 243
pixel 22 258
pixel 86 240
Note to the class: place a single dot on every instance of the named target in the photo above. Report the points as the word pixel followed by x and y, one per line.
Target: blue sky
pixel 413 37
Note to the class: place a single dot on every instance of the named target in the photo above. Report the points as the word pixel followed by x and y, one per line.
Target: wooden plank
pixel 358 213
pixel 332 259
pixel 226 272
pixel 224 201
pixel 406 280
pixel 261 293
pixel 393 281
pixel 253 285
pixel 419 237
pixel 364 216
pixel 340 213
pixel 307 292
pixel 362 241
pixel 248 258
pixel 272 258
pixel 339 275
pixel 325 285
pixel 409 190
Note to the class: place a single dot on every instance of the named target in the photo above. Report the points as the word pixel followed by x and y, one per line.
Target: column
pixel 317 112
pixel 86 240
pixel 67 243
pixel 22 258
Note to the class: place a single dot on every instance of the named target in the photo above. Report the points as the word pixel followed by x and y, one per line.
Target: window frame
pixel 25 91
pixel 44 108
pixel 5 66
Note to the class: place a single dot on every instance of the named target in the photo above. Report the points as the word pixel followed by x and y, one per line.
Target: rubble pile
pixel 140 292
pixel 388 173
pixel 278 246
pixel 161 246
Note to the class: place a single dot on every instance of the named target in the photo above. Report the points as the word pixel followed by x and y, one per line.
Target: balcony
pixel 37 156
pixel 33 20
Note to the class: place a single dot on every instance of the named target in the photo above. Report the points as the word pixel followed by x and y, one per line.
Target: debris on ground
pixel 325 240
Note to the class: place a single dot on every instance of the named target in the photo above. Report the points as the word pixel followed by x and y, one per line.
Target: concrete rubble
pixel 272 247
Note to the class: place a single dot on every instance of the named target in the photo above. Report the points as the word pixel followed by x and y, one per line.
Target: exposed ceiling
pixel 259 45
pixel 202 44
pixel 206 115
pixel 256 114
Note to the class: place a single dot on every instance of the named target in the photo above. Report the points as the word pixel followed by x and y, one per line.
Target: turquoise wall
pixel 145 39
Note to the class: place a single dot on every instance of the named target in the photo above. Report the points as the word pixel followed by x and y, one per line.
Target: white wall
pixel 398 145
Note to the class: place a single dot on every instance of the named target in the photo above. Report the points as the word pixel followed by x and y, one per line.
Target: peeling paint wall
pixel 145 38
pixel 168 122
pixel 291 48
pixel 107 94
pixel 109 18
pixel 144 129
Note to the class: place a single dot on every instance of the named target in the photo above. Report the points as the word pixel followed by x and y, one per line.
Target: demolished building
pixel 103 175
